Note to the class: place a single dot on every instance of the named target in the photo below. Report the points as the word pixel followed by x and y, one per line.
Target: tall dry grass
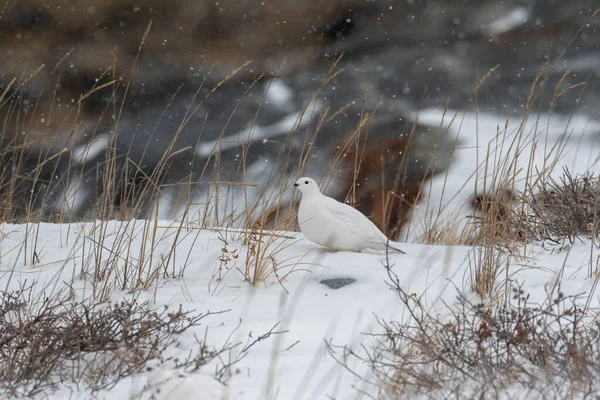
pixel 127 190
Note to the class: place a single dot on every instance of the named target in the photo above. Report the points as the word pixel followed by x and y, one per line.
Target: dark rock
pixel 336 283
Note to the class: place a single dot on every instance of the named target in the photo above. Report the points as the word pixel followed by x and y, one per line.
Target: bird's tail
pixel 394 247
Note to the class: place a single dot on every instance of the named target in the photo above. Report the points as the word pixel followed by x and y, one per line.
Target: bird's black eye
pixel 306 182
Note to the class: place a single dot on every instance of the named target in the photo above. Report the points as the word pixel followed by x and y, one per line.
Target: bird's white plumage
pixel 336 225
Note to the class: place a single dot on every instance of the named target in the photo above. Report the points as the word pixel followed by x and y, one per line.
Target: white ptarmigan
pixel 337 226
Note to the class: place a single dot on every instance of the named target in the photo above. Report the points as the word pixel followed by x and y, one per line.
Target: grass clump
pixel 259 252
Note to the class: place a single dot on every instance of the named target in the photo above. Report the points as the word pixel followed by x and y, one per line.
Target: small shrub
pixel 59 340
pixel 559 211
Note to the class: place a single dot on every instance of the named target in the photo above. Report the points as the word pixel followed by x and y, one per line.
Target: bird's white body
pixel 337 226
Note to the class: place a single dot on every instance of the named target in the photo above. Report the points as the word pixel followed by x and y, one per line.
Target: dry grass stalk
pixel 261 263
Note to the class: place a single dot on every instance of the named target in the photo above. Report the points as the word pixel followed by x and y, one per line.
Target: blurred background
pixel 210 110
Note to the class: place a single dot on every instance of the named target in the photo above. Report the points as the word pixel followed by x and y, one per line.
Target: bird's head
pixel 307 185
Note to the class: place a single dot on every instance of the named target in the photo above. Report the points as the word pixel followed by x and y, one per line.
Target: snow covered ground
pixel 294 364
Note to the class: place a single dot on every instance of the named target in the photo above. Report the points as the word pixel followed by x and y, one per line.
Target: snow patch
pixel 512 20
pixel 85 152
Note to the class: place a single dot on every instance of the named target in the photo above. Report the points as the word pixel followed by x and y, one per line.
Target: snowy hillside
pixel 295 363
pixel 286 319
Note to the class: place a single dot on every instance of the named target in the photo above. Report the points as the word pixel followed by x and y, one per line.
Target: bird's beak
pixel 295 184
